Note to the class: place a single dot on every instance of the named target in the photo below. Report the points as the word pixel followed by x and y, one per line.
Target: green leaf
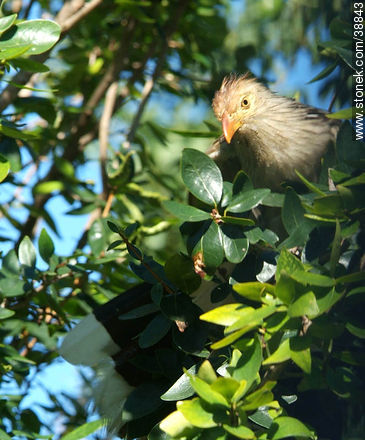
pixel 282 354
pixel 346 113
pixel 179 270
pixel 225 315
pixel 211 246
pixel 206 392
pixel 254 290
pixel 287 262
pixel 45 245
pixel 27 253
pixel 251 318
pixel 201 176
pixel 10 150
pixel 155 331
pixel 8 53
pixel 300 352
pixel 5 313
pixel 48 187
pixel 274 200
pixel 230 339
pixel 194 412
pixel 84 430
pixel 40 35
pixel 335 248
pixel 138 312
pixel 351 278
pixel 137 405
pixel 261 418
pixel 10 287
pixel 256 234
pixel 247 364
pixel 206 372
pixel 247 200
pixel 11 130
pixel 235 244
pixel 181 389
pixel 7 22
pixel 240 431
pixel 29 65
pixel 227 387
pixel 176 426
pixel 185 212
pixel 311 278
pixel 325 72
pixel 306 304
pixel 285 288
pixel 311 186
pixel 4 167
pixel 284 427
pixel 237 221
pixel 259 398
pixel 292 214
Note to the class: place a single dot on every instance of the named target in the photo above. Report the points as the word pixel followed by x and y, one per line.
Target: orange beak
pixel 229 127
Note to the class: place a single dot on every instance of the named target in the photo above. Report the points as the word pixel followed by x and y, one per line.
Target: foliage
pixel 289 345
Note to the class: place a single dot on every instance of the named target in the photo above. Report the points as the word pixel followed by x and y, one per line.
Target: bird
pixel 264 134
pixel 267 135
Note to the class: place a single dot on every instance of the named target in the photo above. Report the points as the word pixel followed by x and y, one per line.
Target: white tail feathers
pixel 110 395
pixel 88 343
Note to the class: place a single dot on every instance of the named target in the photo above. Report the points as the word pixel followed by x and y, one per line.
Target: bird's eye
pixel 245 103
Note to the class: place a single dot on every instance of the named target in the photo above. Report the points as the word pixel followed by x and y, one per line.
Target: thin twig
pixel 149 84
pixel 79 15
pixel 104 125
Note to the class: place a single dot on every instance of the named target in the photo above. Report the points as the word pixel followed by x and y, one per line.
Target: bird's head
pixel 238 102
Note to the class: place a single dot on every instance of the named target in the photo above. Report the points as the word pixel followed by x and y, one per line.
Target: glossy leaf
pixel 282 354
pixel 84 430
pixel 247 200
pixel 4 167
pixel 240 431
pixel 27 254
pixel 211 246
pixel 235 244
pixel 185 212
pixel 179 270
pixel 310 278
pixel 207 393
pixel 305 304
pixel 300 353
pixel 284 427
pixel 254 291
pixel 292 213
pixel 226 315
pixel 154 332
pixel 46 246
pixel 248 363
pixel 181 389
pixel 39 35
pixel 7 22
pixel 177 426
pixel 194 412
pixel 201 176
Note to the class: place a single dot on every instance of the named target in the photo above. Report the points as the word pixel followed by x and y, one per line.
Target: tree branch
pixel 104 125
pixel 149 84
pixel 66 20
